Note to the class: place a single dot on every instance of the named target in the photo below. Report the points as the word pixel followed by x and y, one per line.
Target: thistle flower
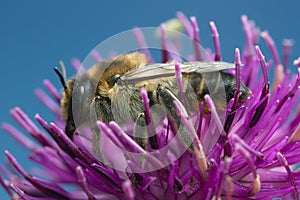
pixel 253 154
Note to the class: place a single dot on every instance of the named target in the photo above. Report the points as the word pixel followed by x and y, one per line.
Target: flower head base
pixel 251 154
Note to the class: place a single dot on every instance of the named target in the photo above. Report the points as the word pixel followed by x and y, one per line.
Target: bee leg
pixel 70 127
pixel 166 98
pixel 96 143
pixel 96 138
pixel 140 132
pixel 140 135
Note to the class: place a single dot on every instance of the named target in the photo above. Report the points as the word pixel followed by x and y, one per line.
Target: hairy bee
pixel 112 89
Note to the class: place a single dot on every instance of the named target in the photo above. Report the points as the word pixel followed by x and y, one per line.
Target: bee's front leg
pixel 166 98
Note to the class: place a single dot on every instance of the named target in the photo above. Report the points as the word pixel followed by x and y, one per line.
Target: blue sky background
pixel 35 35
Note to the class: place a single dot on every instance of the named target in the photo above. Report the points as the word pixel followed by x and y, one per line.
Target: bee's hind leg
pixel 166 98
pixel 140 132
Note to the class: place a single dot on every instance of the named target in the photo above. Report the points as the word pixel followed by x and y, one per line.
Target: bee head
pixel 77 96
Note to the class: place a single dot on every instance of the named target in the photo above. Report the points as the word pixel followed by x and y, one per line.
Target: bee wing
pixel 161 70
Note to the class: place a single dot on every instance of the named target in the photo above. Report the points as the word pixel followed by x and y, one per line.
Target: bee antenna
pixel 61 78
pixel 63 69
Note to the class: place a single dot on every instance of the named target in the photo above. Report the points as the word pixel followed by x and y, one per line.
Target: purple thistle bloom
pixel 253 154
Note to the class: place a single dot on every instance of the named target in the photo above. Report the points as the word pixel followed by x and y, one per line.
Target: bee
pixel 112 90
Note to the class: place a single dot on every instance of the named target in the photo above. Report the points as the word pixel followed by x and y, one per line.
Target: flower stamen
pixel 279 75
pixel 270 43
pixel 249 48
pixel 265 89
pixel 142 43
pixel 47 101
pixel 164 49
pixel 198 148
pixel 18 136
pixel 52 90
pixel 96 56
pixel 231 115
pixel 178 75
pixel 215 36
pixel 76 65
pixel 285 164
pixel 128 190
pixel 131 143
pixel 82 180
pixel 224 173
pixel 292 92
pixel 256 184
pixel 229 183
pixel 7 189
pixel 149 120
pixel 186 23
pixel 287 46
pixel 51 190
pixel 196 40
pixel 239 140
